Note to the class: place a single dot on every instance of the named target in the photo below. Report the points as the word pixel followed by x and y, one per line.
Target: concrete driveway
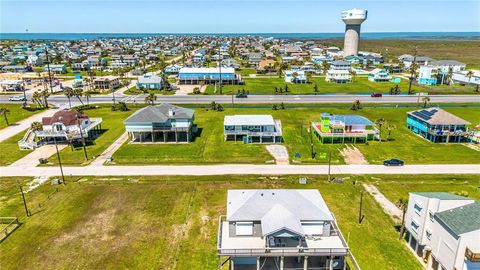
pixel 31 160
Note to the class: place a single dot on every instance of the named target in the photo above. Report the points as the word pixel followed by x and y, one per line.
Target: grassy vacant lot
pixel 9 150
pixel 16 113
pixel 463 51
pixel 266 86
pixel 167 223
pixel 209 146
pixel 396 187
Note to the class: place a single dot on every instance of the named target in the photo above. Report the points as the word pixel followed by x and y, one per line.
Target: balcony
pixel 471 255
pixel 252 246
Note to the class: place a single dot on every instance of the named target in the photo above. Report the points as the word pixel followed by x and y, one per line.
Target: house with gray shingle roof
pixel 444 229
pixel 290 229
pixel 161 123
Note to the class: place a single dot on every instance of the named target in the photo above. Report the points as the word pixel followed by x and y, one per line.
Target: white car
pixel 17 98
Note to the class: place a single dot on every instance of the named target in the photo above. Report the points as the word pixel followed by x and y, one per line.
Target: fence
pixel 12 224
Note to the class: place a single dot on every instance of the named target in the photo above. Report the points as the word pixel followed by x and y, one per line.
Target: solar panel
pixel 422 115
pixel 434 111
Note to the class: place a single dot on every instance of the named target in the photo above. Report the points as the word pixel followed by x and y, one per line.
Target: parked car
pixel 241 95
pixel 393 162
pixel 376 95
pixel 17 98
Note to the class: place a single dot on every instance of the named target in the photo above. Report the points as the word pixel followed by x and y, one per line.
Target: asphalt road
pixel 243 169
pixel 259 99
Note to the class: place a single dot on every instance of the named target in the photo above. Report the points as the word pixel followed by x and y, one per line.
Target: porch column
pixel 261 139
pixel 281 263
pixel 153 136
pixel 330 266
pixel 164 137
pixel 258 263
pixel 232 266
pixel 176 136
pixel 188 136
pixel 305 263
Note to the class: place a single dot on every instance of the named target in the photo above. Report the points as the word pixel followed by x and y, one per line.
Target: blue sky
pixel 233 16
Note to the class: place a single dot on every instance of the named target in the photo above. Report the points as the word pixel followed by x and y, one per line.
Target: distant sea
pixel 310 36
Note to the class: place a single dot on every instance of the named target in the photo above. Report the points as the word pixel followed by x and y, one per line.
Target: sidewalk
pixel 100 160
pixel 388 207
pixel 21 125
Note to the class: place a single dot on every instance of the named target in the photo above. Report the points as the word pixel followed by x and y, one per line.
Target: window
pixel 431 215
pixel 414 226
pixel 244 228
pixel 312 228
pixel 418 208
pixel 429 235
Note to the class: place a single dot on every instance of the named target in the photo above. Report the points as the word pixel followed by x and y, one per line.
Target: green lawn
pixel 267 86
pixel 9 150
pixel 210 147
pixel 166 222
pixel 16 114
pixel 112 128
pixel 396 187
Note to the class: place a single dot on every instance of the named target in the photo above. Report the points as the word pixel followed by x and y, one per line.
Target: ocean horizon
pixel 472 36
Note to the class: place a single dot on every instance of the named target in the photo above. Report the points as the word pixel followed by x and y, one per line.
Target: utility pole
pixel 329 163
pixel 24 96
pixel 24 202
pixel 59 160
pixel 83 139
pixel 220 68
pixel 48 70
pixel 360 215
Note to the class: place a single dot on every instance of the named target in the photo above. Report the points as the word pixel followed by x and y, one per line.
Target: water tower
pixel 353 18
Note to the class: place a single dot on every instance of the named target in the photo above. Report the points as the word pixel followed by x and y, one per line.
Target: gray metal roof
pixel 447 63
pixel 254 204
pixel 441 195
pixel 159 114
pixel 340 63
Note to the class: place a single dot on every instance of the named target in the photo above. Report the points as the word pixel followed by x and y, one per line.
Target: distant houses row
pixel 167 123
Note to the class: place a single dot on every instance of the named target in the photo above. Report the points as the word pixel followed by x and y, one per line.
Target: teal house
pixel 438 126
pixel 149 82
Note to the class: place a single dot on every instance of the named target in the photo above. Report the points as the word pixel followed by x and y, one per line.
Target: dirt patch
pixel 353 156
pixel 99 228
pixel 204 219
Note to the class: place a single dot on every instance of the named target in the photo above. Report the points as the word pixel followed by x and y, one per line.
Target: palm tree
pixel 36 126
pixel 425 100
pixel 78 93
pixel 356 105
pixel 402 204
pixel 380 122
pixel 45 94
pixel 325 66
pixel 150 99
pixel 68 92
pixel 413 70
pixel 4 112
pixel 353 74
pixel 88 95
pixel 469 75
pixel 390 128
pixel 36 98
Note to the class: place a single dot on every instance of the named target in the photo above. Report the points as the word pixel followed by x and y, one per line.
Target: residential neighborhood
pixel 295 135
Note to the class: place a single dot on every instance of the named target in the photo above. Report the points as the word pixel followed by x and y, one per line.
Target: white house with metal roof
pixel 444 230
pixel 280 229
pixel 252 128
pixel 161 123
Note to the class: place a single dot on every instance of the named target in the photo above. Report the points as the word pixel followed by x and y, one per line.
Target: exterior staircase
pixel 28 141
